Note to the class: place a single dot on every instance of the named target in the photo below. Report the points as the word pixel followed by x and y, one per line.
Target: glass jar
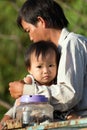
pixel 34 109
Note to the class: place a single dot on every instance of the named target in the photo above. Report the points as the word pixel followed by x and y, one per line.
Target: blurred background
pixel 13 41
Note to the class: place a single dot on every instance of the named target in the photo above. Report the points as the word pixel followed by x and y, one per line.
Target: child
pixel 41 59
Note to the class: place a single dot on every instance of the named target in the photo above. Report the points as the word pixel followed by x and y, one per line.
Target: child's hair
pixel 41 47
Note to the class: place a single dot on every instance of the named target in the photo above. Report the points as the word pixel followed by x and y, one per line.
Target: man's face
pixel 36 32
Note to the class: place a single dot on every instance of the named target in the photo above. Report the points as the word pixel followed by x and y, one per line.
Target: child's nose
pixel 46 69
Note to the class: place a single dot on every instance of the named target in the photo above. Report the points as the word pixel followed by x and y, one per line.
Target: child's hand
pixel 1 126
pixel 28 80
pixel 3 121
pixel 17 102
pixel 73 116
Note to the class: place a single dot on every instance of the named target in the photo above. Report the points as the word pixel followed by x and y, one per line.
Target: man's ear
pixel 41 21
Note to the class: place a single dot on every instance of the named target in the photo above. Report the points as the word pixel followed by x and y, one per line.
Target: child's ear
pixel 29 70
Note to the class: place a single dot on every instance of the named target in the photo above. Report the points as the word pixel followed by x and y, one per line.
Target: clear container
pixel 34 109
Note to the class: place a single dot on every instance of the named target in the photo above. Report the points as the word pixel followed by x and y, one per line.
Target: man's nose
pixel 30 38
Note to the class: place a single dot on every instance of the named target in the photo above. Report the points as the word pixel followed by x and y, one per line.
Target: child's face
pixel 43 69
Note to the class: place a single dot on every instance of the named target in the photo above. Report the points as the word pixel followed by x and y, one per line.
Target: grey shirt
pixel 71 88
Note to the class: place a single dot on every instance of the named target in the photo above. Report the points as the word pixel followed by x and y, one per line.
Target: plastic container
pixel 34 109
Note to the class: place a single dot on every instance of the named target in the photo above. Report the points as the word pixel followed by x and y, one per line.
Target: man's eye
pixel 27 30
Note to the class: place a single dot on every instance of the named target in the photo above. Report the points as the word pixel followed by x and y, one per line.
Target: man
pixel 45 20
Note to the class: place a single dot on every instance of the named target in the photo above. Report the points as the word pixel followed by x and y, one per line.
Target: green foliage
pixel 76 14
pixel 2 111
pixel 13 41
pixel 12 46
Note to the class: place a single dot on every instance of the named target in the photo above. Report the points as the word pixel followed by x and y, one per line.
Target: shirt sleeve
pixel 10 112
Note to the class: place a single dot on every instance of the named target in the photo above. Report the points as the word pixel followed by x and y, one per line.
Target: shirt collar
pixel 64 34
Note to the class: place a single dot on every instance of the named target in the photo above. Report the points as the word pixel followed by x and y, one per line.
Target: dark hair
pixel 49 10
pixel 41 47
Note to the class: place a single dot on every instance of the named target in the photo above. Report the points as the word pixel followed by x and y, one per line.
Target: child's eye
pixel 39 66
pixel 50 65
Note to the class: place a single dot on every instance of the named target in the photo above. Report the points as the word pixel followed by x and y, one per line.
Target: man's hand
pixel 16 88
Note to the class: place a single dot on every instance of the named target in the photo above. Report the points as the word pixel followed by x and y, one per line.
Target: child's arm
pixel 4 119
pixel 29 79
pixel 9 114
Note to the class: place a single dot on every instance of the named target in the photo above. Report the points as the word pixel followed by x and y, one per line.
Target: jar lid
pixel 33 98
